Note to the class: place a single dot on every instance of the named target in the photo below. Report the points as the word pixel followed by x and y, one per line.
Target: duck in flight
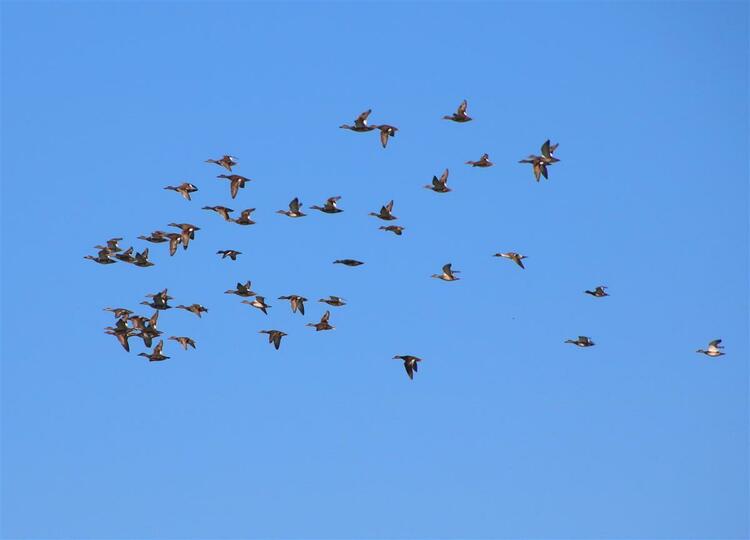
pixel 294 209
pixel 121 331
pixel 582 341
pixel 231 253
pixel 386 132
pixel 334 301
pixel 360 123
pixel 156 355
pixel 225 161
pixel 513 256
pixel 141 259
pixel 448 273
pixel 259 303
pixel 386 212
pixel 236 182
pixel 395 229
pixel 184 189
pixel 187 234
pixel 223 211
pixel 297 302
pixel 714 349
pixel 156 237
pixel 598 292
pixel 484 161
pixel 184 341
pixel 323 324
pixel 539 163
pixel 196 309
pixel 348 262
pixel 460 114
pixel 103 257
pixel 330 206
pixel 439 185
pixel 274 336
pixel 242 290
pixel 410 364
pixel 244 218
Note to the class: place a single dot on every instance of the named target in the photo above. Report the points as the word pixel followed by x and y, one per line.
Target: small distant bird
pixel 274 336
pixel 410 364
pixel 197 309
pixel 448 273
pixel 141 259
pixel 513 256
pixel 184 341
pixel 330 206
pixel 460 114
pixel 225 161
pixel 232 254
pixel 360 123
pixel 386 131
pixel 244 218
pixel 103 257
pixel 385 212
pixel 175 239
pixel 156 356
pixel 348 262
pixel 156 237
pixel 582 341
pixel 598 292
pixel 147 327
pixel 184 189
pixel 484 161
pixel 122 332
pixel 259 302
pixel 440 185
pixel 323 324
pixel 294 210
pixel 120 313
pixel 235 182
pixel 159 300
pixel 126 256
pixel 297 302
pixel 112 245
pixel 334 301
pixel 187 234
pixel 539 163
pixel 713 349
pixel 223 211
pixel 242 290
pixel 395 229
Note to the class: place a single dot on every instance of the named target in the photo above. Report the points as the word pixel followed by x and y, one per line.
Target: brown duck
pixel 330 206
pixel 119 313
pixel 184 341
pixel 112 245
pixel 714 349
pixel 348 262
pixel 385 212
pixel 395 229
pixel 598 292
pixel 187 234
pixel 274 336
pixel 223 211
pixel 126 256
pixel 410 364
pixel 297 302
pixel 460 114
pixel 582 341
pixel 235 182
pixel 294 209
pixel 323 324
pixel 484 161
pixel 147 327
pixel 231 253
pixel 440 185
pixel 334 301
pixel 103 257
pixel 175 239
pixel 360 123
pixel 159 300
pixel 448 273
pixel 225 161
pixel 156 355
pixel 156 237
pixel 242 290
pixel 386 132
pixel 539 163
pixel 244 218
pixel 184 189
pixel 141 259
pixel 197 309
pixel 513 256
pixel 259 302
pixel 122 332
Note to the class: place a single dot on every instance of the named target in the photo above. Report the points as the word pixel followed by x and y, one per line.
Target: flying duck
pixel 348 262
pixel 225 161
pixel 360 123
pixel 231 253
pixel 460 114
pixel 184 189
pixel 103 257
pixel 713 349
pixel 184 341
pixel 126 256
pixel 386 131
pixel 334 301
pixel 513 256
pixel 242 290
pixel 598 292
pixel 141 259
pixel 330 206
pixel 156 355
pixel 187 234
pixel 122 332
pixel 395 229
pixel 274 336
pixel 385 212
pixel 235 182
pixel 448 274
pixel 484 161
pixel 259 302
pixel 147 327
pixel 244 218
pixel 175 239
pixel 323 324
pixel 440 185
pixel 159 300
pixel 156 237
pixel 223 211
pixel 120 313
pixel 112 245
pixel 194 308
pixel 294 210
pixel 410 364
pixel 539 163
pixel 582 341
pixel 297 302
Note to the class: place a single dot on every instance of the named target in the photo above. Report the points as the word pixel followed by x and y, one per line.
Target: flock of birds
pixel 129 325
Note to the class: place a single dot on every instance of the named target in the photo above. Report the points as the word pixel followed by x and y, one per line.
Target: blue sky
pixel 505 432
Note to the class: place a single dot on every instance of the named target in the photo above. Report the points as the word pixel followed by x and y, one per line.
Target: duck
pixel 103 257
pixel 539 163
pixel 348 262
pixel 323 324
pixel 156 355
pixel 513 256
pixel 126 256
pixel 244 218
pixel 235 182
pixel 297 302
pixel 156 237
pixel 330 206
pixel 141 259
pixel 259 302
pixel 242 290
pixel 582 341
pixel 119 313
pixel 460 114
pixel 148 330
pixel 385 212
pixel 112 245
pixel 334 301
pixel 122 332
pixel 223 211
pixel 410 363
pixel 231 253
pixel 448 273
pixel 439 185
pixel 175 239
pixel 274 336
pixel 395 229
pixel 294 210
pixel 184 189
pixel 159 301
pixel 713 349
pixel 194 308
pixel 386 132
pixel 184 341
pixel 598 292
pixel 225 161
pixel 187 234
pixel 484 161
pixel 547 151
pixel 360 123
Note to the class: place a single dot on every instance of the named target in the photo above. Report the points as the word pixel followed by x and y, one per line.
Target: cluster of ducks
pixel 130 325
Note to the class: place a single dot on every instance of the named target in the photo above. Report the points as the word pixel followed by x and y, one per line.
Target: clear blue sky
pixel 505 432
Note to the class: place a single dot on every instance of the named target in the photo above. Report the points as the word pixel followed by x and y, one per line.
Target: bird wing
pixel 294 205
pixel 444 177
pixel 384 137
pixel 361 120
pixel 462 108
pixel 546 149
pixel 409 370
pixel 447 269
pixel 325 317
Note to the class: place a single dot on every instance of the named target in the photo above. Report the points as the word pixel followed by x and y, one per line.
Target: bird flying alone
pixel 582 341
pixel 439 185
pixel 484 161
pixel 410 364
pixel 184 341
pixel 348 262
pixel 385 212
pixel 448 273
pixel 231 253
pixel 274 336
pixel 334 301
pixel 460 114
pixel 714 349
pixel 598 292
pixel 513 256
pixel 323 324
